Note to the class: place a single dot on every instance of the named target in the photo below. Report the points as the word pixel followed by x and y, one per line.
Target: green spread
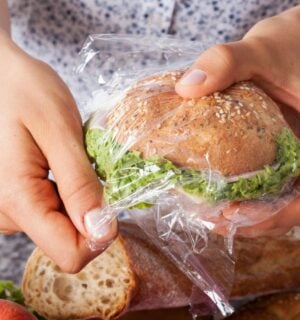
pixel 126 172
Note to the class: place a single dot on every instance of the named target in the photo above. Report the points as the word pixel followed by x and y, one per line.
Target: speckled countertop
pixel 15 249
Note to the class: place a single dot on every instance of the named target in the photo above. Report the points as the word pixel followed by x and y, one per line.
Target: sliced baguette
pixel 103 289
pixel 154 282
pixel 263 265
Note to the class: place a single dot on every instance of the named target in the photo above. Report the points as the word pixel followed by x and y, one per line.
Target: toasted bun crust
pixel 232 132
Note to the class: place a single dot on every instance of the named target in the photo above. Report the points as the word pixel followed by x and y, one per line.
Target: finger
pixel 229 211
pixel 7 226
pixel 260 231
pixel 216 69
pixel 62 144
pixel 38 215
pixel 292 117
pixel 80 189
pixel 277 224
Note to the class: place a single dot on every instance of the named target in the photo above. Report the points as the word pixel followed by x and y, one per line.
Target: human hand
pixel 40 130
pixel 278 224
pixel 269 56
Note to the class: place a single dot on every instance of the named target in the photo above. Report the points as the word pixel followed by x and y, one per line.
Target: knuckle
pixel 224 53
pixel 81 190
pixel 71 264
pixel 7 226
pixel 7 199
pixel 267 23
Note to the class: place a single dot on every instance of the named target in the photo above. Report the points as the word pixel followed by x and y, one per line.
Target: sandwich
pixel 229 146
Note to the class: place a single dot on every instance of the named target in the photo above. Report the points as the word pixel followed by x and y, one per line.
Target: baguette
pixel 103 289
pixel 283 306
pixel 152 281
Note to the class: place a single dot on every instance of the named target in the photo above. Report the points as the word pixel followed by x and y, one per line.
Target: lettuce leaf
pixel 126 173
pixel 9 291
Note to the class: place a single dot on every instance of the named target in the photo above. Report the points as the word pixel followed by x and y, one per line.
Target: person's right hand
pixel 40 130
pixel 268 55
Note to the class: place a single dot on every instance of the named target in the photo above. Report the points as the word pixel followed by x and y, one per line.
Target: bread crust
pixel 266 264
pixel 159 282
pixel 283 306
pixel 232 132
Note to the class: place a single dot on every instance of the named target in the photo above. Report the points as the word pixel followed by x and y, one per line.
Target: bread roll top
pixel 231 132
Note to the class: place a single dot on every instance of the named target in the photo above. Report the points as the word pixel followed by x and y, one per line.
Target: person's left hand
pixel 269 55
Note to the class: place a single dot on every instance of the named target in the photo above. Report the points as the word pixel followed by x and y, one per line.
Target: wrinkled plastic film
pixel 192 232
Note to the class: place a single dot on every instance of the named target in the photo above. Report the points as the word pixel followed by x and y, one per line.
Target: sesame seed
pixel 227 107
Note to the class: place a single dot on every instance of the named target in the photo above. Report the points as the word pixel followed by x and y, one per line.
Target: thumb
pixel 216 69
pixel 81 193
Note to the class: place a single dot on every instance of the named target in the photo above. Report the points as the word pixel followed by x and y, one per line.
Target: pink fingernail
pixel 192 78
pixel 96 224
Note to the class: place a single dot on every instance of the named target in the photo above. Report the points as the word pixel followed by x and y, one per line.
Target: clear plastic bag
pixel 154 192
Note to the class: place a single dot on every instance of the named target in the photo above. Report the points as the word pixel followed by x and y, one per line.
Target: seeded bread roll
pixel 239 123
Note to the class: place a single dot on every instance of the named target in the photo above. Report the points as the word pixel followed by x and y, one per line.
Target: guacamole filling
pixel 125 173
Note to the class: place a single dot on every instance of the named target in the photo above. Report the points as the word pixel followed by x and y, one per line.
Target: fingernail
pixel 97 224
pixel 192 78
